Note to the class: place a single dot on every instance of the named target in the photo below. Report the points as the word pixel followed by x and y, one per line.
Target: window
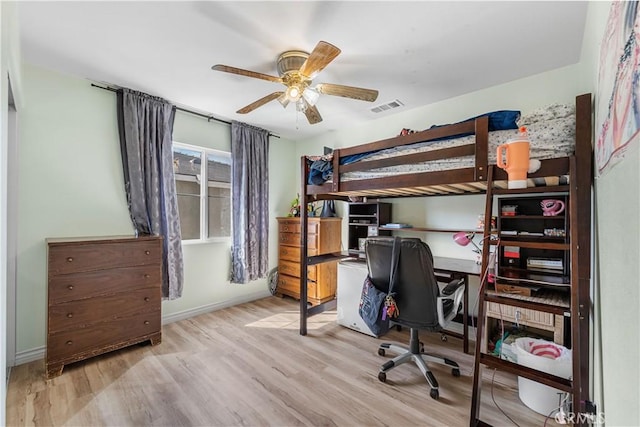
pixel 204 205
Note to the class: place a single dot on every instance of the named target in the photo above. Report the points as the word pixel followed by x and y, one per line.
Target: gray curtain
pixel 145 124
pixel 250 192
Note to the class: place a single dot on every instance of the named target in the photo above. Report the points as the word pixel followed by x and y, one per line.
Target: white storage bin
pixel 544 356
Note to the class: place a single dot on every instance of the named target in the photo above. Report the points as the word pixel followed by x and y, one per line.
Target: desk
pixel 448 269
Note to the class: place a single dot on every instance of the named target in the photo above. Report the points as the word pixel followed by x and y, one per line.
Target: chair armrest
pixel 455 295
pixel 452 286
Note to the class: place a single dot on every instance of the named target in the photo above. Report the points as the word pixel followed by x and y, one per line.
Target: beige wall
pixel 71 184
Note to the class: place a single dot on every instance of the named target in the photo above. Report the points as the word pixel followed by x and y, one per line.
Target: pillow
pixel 550 112
pixel 501 120
pixel 498 120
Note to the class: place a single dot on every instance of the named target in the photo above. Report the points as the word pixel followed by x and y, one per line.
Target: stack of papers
pixel 397 225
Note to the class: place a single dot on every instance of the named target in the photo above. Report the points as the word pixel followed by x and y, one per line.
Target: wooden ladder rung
pixel 526 372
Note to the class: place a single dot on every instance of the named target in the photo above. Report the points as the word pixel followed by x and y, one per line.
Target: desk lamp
pixel 463 238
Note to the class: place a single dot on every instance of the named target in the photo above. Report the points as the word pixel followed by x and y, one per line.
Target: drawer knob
pixel 70 259
pixel 146 276
pixel 70 287
pixel 69 342
pixel 147 252
pixel 147 299
pixel 285 228
pixel 69 315
pixel 146 322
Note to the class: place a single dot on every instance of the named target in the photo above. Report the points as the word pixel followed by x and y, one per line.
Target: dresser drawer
pixel 292 253
pixel 294 227
pixel 104 282
pixel 521 315
pixel 100 337
pixel 293 239
pixel 293 269
pixel 89 256
pixel 291 285
pixel 82 313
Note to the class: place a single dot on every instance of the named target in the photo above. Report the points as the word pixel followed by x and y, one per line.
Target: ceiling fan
pixel 297 69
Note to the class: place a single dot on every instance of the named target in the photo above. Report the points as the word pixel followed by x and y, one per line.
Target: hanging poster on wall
pixel 618 93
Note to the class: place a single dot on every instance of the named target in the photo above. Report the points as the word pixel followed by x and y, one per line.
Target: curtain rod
pixel 195 113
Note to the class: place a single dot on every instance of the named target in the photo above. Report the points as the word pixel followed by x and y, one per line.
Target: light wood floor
pixel 247 365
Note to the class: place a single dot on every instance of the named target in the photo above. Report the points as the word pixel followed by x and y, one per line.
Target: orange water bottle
pixel 516 151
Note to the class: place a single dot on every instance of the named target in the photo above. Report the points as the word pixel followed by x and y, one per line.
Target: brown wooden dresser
pixel 103 294
pixel 324 236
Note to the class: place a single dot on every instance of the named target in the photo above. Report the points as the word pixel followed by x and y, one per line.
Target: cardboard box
pixel 511 289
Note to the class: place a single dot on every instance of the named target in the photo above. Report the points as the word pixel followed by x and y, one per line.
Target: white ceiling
pixel 416 52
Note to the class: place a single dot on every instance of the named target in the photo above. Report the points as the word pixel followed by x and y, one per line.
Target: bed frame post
pixel 303 247
pixel 582 194
pixel 335 181
pixel 482 148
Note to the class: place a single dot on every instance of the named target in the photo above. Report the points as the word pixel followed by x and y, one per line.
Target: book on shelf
pixel 544 270
pixel 530 233
pixel 557 280
pixel 397 225
pixel 546 263
pixel 538 279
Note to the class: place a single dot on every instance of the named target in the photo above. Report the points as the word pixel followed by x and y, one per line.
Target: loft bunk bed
pixel 465 164
pixel 369 170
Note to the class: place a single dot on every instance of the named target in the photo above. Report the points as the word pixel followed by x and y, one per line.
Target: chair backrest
pixel 416 287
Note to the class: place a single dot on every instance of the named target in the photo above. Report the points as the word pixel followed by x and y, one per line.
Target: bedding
pixel 551 132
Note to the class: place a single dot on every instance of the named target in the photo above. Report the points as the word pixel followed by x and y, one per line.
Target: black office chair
pixel 420 302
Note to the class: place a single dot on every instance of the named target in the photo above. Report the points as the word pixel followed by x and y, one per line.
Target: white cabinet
pixel 351 275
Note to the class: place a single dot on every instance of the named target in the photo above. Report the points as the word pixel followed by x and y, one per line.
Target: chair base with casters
pixel 416 355
pixel 448 306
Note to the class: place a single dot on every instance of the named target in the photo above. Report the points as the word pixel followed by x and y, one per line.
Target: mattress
pixel 551 133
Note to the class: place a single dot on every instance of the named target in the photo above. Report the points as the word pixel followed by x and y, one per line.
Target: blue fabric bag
pixel 372 308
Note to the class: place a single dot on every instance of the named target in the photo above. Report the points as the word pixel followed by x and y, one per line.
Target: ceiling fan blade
pixel 312 113
pixel 321 56
pixel 259 103
pixel 246 73
pixel 348 91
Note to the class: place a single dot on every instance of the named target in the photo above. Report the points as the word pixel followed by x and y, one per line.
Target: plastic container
pixel 544 356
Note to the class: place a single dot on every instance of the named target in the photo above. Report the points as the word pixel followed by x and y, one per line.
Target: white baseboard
pixel 32 355
pixel 37 353
pixel 186 314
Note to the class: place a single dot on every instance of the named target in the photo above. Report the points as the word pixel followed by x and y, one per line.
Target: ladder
pixel 579 199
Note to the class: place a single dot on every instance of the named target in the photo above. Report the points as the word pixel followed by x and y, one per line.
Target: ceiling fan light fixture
pixel 301 105
pixel 293 93
pixel 283 100
pixel 311 95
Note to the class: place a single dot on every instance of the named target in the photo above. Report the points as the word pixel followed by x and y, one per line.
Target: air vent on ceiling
pixel 388 106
